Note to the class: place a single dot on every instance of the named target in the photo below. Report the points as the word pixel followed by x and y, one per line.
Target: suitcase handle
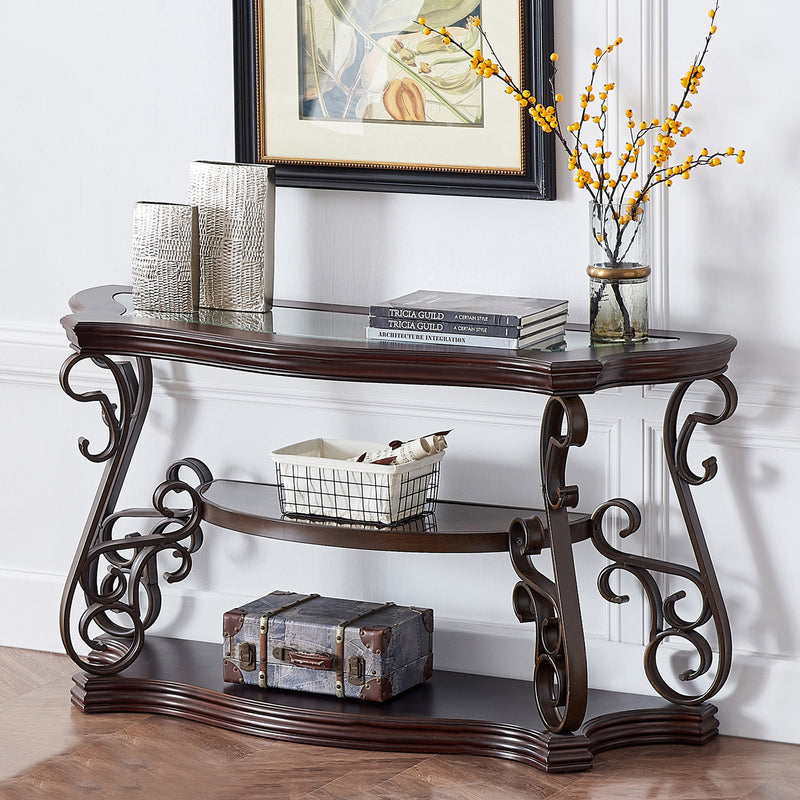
pixel 321 661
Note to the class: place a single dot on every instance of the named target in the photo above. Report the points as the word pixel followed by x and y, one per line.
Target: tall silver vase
pixel 165 257
pixel 236 204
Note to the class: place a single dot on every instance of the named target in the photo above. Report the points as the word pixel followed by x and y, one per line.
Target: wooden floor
pixel 50 750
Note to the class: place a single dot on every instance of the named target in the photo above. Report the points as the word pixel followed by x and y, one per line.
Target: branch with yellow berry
pixel 609 184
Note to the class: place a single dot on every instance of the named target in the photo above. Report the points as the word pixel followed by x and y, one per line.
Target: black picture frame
pixel 535 181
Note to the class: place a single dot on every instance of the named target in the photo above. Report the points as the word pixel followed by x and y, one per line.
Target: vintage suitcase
pixel 346 648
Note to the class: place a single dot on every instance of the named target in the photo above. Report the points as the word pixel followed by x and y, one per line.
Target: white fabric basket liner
pixel 317 480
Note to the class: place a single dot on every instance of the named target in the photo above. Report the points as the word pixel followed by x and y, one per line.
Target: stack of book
pixel 469 320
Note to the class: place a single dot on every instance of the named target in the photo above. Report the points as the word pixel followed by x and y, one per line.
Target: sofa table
pixel 556 723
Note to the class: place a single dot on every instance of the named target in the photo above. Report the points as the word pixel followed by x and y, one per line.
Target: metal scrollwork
pixel 118 574
pixel 132 571
pixel 559 676
pixel 117 418
pixel 665 620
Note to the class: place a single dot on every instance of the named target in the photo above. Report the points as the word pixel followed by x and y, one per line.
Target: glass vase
pixel 619 268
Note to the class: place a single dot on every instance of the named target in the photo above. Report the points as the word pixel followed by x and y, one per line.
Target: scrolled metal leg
pixel 665 620
pixel 114 599
pixel 559 676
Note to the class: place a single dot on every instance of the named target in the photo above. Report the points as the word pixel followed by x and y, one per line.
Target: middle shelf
pixel 455 527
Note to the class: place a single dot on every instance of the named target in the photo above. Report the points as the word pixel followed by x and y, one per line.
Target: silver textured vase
pixel 236 205
pixel 165 257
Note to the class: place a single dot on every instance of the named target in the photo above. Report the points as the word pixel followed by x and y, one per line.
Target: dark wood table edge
pixel 386 539
pixel 354 724
pixel 97 325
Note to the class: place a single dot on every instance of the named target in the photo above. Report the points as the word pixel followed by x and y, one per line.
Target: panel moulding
pixel 648 20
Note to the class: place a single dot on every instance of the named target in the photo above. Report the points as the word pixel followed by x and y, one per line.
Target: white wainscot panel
pixel 747 512
pixel 493 457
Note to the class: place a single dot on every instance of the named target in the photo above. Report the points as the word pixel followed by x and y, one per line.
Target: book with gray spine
pixel 481 309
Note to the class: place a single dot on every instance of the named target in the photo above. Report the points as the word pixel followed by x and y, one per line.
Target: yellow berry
pixel 421 20
pixel 554 57
pixel 559 98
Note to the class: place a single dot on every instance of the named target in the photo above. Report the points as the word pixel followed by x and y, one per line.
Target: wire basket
pixel 317 481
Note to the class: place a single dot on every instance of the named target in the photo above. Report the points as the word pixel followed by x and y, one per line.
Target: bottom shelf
pixel 451 713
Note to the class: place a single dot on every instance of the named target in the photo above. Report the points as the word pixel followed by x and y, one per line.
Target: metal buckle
pixel 356 669
pixel 247 656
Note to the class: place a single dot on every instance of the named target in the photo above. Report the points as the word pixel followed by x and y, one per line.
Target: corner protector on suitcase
pixel 230 672
pixel 377 689
pixel 427 617
pixel 376 639
pixel 427 670
pixel 232 621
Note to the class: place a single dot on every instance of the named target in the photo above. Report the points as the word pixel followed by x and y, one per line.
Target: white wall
pixel 105 104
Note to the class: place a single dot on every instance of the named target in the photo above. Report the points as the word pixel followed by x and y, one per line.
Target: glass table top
pixel 342 325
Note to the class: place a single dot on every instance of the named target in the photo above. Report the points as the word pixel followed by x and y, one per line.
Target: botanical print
pixel 368 61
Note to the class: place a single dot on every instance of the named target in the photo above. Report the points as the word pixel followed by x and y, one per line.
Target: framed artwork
pixel 350 94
